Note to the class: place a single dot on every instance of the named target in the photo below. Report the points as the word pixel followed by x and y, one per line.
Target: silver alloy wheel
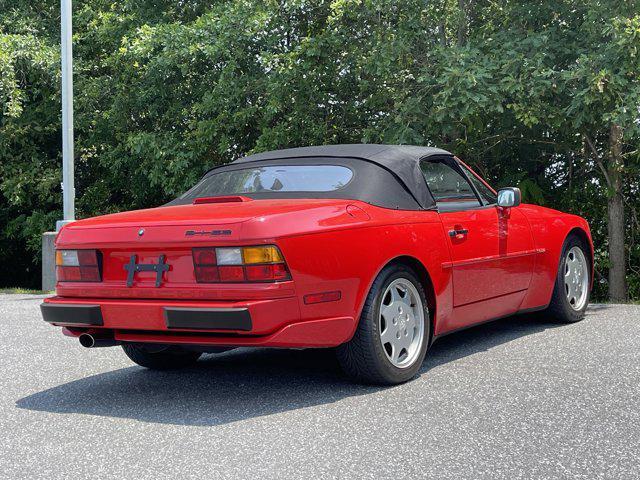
pixel 401 323
pixel 576 278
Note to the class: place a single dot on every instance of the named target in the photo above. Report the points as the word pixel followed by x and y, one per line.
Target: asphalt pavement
pixel 519 398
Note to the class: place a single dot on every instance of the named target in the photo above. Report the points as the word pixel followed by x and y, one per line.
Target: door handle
pixel 455 233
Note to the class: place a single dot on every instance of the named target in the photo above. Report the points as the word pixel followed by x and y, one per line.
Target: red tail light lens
pixel 206 274
pixel 232 274
pixel 204 256
pixel 261 273
pixel 78 266
pixel 239 265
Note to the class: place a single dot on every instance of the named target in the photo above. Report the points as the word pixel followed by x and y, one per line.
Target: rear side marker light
pixel 78 266
pixel 262 263
pixel 322 297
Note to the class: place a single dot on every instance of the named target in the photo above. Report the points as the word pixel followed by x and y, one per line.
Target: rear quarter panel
pixel 349 259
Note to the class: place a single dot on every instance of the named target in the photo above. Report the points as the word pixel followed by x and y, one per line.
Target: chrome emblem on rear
pixel 141 232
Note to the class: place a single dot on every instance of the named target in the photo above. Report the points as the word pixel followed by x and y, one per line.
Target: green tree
pixel 533 93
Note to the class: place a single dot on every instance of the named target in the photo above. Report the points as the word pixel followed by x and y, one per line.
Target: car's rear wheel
pixel 573 283
pixel 160 357
pixel 392 337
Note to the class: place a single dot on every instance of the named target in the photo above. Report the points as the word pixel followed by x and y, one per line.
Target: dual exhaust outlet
pixel 88 340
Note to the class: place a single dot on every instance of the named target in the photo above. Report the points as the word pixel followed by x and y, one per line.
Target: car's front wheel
pixel 573 282
pixel 392 337
pixel 160 357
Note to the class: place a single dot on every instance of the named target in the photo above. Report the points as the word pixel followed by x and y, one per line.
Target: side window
pixel 450 190
pixel 488 197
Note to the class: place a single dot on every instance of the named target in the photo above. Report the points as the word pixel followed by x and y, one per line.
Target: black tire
pixel 157 357
pixel 363 358
pixel 559 308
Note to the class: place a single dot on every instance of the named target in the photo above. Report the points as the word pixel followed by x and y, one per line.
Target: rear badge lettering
pixel 191 233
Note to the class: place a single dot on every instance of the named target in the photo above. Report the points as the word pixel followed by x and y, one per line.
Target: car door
pixel 491 249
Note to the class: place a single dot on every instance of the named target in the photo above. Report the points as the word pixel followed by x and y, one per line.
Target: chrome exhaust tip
pixel 86 340
pixel 89 341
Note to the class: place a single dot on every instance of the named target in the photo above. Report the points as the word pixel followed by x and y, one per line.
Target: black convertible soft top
pixel 403 161
pixel 388 176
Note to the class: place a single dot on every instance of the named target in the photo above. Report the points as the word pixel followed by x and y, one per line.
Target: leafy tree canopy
pixel 537 93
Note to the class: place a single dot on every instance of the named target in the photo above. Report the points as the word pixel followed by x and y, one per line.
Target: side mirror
pixel 509 197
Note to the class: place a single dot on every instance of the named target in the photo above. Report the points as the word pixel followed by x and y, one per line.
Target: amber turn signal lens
pixel 267 254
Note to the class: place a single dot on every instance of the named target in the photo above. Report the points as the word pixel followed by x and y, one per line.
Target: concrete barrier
pixel 48 261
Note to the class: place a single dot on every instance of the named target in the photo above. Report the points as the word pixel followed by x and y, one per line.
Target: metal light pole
pixel 68 189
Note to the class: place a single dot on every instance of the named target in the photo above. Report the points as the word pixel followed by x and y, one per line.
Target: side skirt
pixel 466 327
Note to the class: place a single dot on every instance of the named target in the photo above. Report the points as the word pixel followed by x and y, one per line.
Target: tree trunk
pixel 443 34
pixel 616 220
pixel 463 23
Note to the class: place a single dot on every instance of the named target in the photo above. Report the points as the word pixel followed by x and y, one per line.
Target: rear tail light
pixel 78 266
pixel 239 265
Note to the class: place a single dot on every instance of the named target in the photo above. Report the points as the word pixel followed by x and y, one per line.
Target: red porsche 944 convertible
pixel 375 250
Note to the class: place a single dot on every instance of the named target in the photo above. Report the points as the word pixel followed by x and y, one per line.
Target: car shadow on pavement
pixel 248 383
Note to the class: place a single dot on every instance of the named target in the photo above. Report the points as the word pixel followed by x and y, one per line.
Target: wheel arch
pixel 580 233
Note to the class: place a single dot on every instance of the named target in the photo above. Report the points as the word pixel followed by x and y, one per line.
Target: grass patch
pixel 23 291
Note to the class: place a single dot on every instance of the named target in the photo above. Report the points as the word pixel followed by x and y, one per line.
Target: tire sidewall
pixel 387 369
pixel 168 358
pixel 569 313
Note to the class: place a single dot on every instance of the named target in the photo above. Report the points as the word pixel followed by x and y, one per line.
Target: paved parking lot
pixel 519 398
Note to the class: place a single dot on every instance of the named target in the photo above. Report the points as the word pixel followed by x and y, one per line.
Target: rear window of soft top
pixel 272 179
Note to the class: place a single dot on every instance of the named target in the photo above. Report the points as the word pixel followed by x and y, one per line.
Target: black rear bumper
pixel 175 318
pixel 208 318
pixel 72 314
